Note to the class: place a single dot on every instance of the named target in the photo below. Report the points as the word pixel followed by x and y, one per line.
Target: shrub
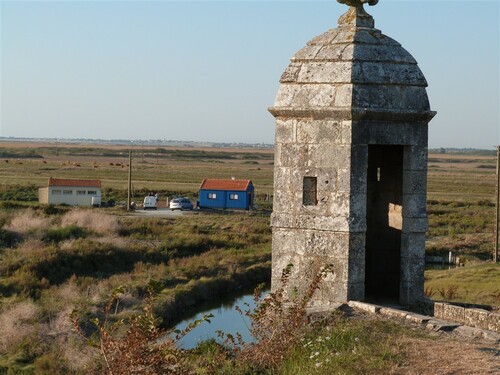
pixel 140 349
pixel 53 210
pixel 95 221
pixel 28 221
pixel 56 235
pixel 16 324
pixel 7 238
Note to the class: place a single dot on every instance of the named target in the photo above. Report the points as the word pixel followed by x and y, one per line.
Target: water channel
pixel 228 320
pixel 225 318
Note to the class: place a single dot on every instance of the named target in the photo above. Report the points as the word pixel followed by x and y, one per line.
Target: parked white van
pixel 150 202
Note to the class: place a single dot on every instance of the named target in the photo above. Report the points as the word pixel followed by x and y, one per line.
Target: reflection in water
pixel 226 319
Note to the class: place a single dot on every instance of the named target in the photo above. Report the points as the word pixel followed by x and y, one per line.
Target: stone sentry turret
pixel 350 172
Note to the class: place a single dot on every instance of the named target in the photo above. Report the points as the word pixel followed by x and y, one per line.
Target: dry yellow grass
pixel 95 221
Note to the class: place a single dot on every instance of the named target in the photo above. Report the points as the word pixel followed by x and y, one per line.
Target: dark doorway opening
pixel 384 222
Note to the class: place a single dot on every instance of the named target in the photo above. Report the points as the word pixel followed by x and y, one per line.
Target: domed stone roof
pixel 353 70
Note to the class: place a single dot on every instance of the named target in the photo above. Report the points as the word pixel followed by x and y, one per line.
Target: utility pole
pixel 129 203
pixel 497 211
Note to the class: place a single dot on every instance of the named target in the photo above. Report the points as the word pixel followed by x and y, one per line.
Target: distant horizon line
pixel 171 142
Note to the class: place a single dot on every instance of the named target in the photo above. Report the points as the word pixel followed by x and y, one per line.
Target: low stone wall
pixel 472 317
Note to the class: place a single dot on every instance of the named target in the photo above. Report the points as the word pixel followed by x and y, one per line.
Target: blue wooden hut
pixel 232 194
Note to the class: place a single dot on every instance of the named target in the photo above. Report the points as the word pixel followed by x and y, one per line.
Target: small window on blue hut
pixel 212 196
pixel 233 197
pixel 310 191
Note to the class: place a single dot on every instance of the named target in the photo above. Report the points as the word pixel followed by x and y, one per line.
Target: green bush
pixel 56 235
pixel 7 238
pixel 20 193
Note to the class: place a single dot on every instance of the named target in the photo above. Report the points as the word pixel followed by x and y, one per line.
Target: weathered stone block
pixel 415 158
pixel 343 96
pixel 340 204
pixel 356 291
pixel 325 72
pixel 366 36
pixel 297 155
pixel 357 245
pixel 416 225
pixel 454 313
pixel 280 263
pixel 306 53
pixel 413 245
pixel 357 223
pixel 333 292
pixel 382 54
pixel 282 201
pixel 344 179
pixel 285 131
pixel 288 241
pixel 411 292
pixel 441 325
pixel 336 52
pixel 327 244
pixel 346 132
pixel 476 318
pixel 319 132
pixel 393 313
pixel 338 157
pixel 327 178
pixel 356 270
pixel 359 166
pixel 412 269
pixel 336 224
pixel 291 73
pixel 324 39
pixel 396 74
pixel 389 133
pixel 357 204
pixel 281 220
pixel 494 322
pixel 417 318
pixel 415 205
pixel 415 182
pixel 363 306
pixel 282 178
pixel 439 310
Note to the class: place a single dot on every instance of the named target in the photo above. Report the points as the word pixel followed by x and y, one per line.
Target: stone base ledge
pixel 439 323
pixel 461 313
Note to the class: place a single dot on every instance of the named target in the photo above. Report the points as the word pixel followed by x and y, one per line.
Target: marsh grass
pixel 475 284
pixel 192 258
pixel 28 222
pixel 98 222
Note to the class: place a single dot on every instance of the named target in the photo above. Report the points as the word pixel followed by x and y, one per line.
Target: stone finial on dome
pixel 356 16
pixel 358 3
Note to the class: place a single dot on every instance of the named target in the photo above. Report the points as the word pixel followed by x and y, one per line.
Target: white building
pixel 73 192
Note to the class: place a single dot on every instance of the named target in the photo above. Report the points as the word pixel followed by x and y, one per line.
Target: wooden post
pixel 497 211
pixel 129 203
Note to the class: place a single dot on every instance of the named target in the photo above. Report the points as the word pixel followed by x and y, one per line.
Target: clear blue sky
pixel 208 71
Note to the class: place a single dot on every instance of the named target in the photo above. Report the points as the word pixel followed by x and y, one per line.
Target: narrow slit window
pixel 378 174
pixel 310 191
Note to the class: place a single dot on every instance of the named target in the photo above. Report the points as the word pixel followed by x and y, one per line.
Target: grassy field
pixel 166 169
